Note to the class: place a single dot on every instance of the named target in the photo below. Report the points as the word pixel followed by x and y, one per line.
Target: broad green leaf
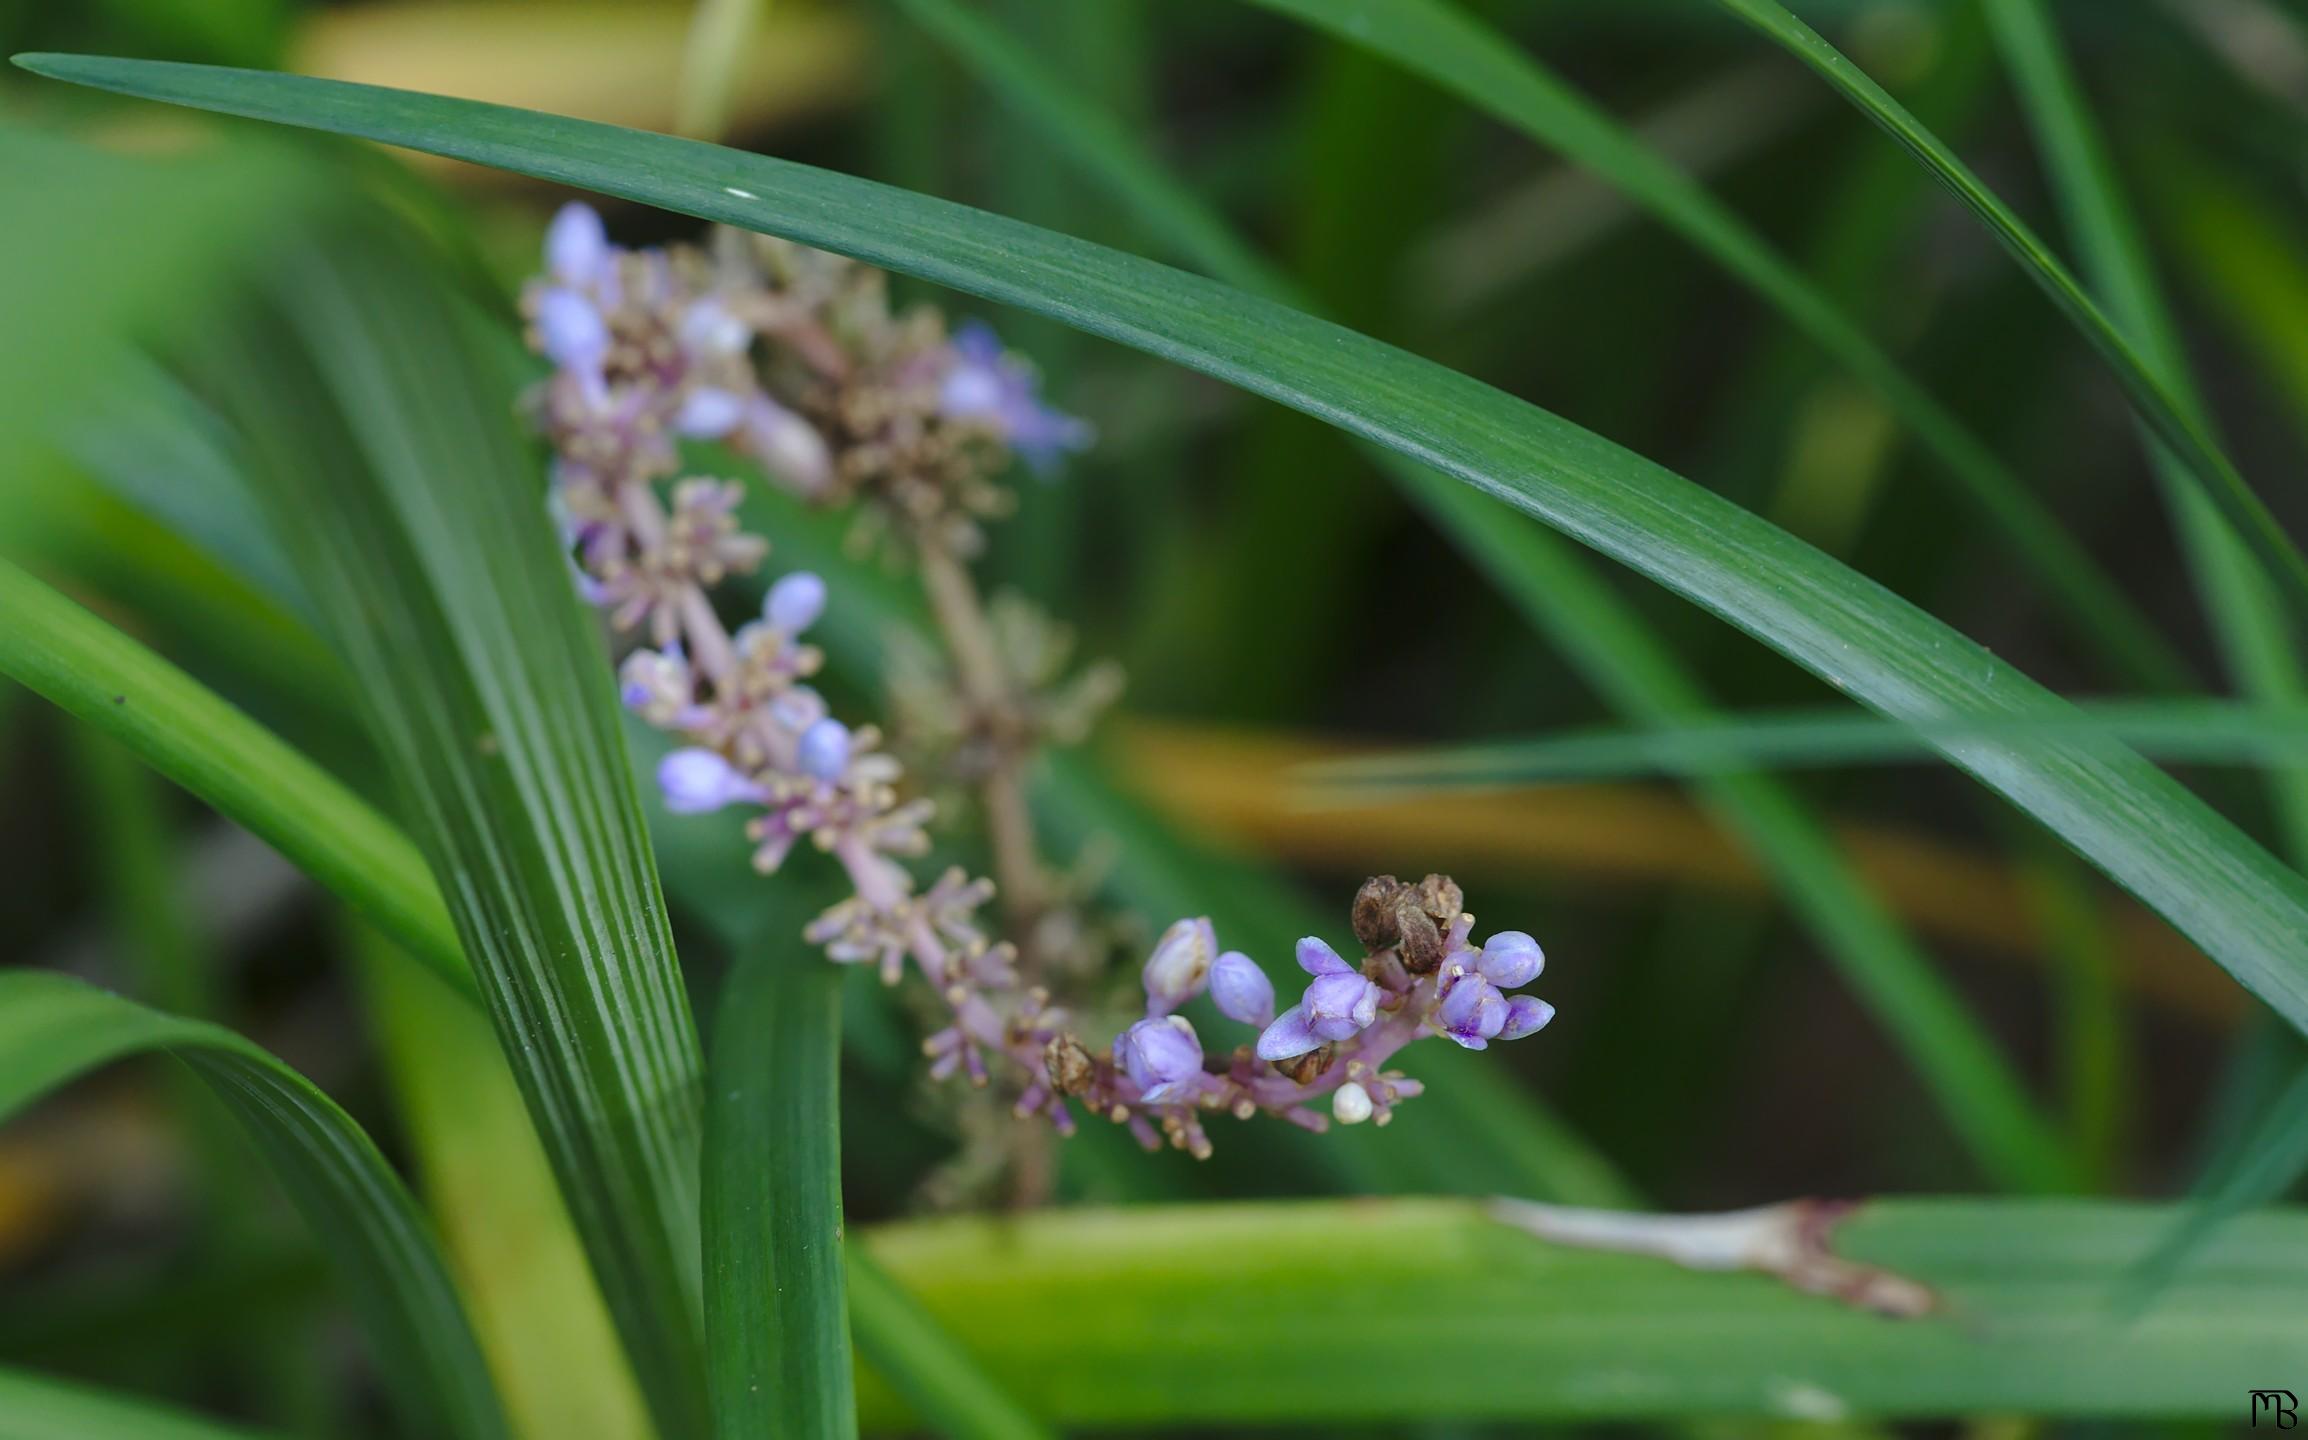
pixel 2244 609
pixel 378 435
pixel 35 1407
pixel 53 1029
pixel 1442 43
pixel 775 1315
pixel 2163 409
pixel 483 1175
pixel 2207 732
pixel 195 738
pixel 1232 1315
pixel 1621 658
pixel 939 1380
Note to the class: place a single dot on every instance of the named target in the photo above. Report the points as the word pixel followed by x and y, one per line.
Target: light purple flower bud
pixel 1511 959
pixel 1241 990
pixel 1526 1014
pixel 1473 1012
pixel 710 329
pixel 1316 957
pixel 1180 965
pixel 1338 1006
pixel 788 446
pixel 576 244
pixel 571 332
pixel 708 414
pixel 1163 1058
pixel 794 602
pixel 1288 1036
pixel 823 752
pixel 696 781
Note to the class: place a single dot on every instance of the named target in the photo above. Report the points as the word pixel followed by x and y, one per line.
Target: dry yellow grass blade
pixel 1240 787
pixel 620 64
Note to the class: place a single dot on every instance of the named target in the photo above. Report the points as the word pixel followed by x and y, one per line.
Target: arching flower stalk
pixel 794 358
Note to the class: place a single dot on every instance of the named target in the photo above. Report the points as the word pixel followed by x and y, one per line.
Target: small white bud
pixel 1351 1104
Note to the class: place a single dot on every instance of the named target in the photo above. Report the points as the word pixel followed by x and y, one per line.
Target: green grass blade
pixel 375 426
pixel 2208 732
pixel 775 1313
pixel 2268 1163
pixel 194 737
pixel 1465 58
pixel 483 1175
pixel 1609 644
pixel 1184 1317
pixel 2245 611
pixel 53 1029
pixel 2164 412
pixel 157 448
pixel 1091 137
pixel 938 1379
pixel 35 1407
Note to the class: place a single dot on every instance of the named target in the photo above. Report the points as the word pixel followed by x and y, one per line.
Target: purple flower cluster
pixel 794 358
pixel 1421 976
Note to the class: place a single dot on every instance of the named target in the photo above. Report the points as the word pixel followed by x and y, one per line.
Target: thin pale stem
pixel 960 616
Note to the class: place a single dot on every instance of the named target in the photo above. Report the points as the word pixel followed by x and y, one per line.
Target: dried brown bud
pixel 1440 897
pixel 1374 909
pixel 1070 1066
pixel 1421 946
pixel 1303 1069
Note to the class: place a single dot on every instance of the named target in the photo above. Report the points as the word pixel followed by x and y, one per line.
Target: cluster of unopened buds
pixel 795 358
pixel 1420 975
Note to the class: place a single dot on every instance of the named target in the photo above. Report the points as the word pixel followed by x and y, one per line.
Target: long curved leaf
pixel 1451 49
pixel 53 1028
pixel 2244 908
pixel 35 1407
pixel 479 1168
pixel 2202 732
pixel 775 1309
pixel 396 480
pixel 2244 609
pixel 2151 395
pixel 197 739
pixel 1238 1315
pixel 1609 643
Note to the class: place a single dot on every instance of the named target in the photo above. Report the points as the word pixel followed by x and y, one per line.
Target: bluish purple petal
pixel 1526 1015
pixel 1316 957
pixel 1288 1036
